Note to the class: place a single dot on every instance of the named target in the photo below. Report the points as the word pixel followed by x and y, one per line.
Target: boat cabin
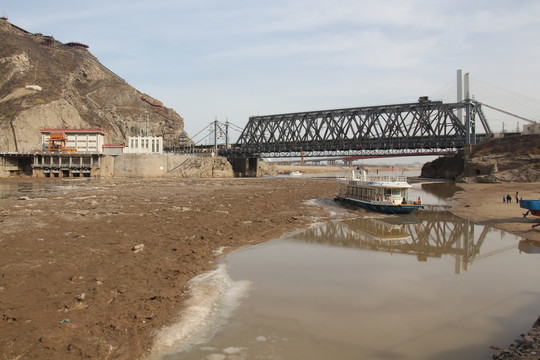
pixel 377 192
pixel 392 189
pixel 387 194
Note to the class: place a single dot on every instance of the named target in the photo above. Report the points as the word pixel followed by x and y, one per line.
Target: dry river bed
pixel 96 272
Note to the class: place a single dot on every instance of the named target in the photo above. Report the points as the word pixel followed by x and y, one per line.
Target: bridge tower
pixel 460 93
pixel 463 86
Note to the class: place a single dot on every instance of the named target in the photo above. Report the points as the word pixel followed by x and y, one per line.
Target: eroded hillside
pixel 73 90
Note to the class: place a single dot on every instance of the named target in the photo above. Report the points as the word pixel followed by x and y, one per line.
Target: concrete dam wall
pixel 125 165
pixel 163 166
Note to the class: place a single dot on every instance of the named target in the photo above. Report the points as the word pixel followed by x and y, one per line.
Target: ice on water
pixel 213 298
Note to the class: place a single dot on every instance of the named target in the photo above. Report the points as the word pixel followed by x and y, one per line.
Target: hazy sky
pixel 232 59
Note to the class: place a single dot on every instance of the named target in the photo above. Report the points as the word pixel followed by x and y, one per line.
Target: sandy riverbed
pixel 94 273
pixel 483 203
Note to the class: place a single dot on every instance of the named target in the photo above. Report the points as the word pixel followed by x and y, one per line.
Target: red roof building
pixel 78 140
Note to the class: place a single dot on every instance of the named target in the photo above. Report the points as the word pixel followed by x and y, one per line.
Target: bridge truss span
pixel 426 127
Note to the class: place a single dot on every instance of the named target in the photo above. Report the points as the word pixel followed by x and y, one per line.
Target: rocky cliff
pixel 48 84
pixel 505 159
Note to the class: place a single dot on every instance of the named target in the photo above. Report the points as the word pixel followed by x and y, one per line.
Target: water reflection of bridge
pixel 428 234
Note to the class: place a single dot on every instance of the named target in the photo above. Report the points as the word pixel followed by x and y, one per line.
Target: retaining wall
pixel 139 165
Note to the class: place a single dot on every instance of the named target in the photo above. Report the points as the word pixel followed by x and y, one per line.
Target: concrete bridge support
pixel 245 167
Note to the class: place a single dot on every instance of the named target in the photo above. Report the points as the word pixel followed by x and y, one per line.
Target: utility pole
pixel 215 136
pixel 226 133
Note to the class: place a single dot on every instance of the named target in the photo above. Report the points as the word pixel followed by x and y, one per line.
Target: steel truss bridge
pixel 428 234
pixel 422 128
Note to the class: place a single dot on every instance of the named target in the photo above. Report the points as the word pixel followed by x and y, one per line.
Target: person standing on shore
pixel 504 198
pixel 517 199
pixel 508 198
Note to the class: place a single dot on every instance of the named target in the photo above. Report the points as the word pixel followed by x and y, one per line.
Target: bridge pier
pixel 245 167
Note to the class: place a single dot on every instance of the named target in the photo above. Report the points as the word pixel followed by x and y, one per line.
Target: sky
pixel 229 60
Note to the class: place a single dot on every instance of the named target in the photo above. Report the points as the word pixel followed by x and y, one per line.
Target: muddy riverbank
pixel 95 273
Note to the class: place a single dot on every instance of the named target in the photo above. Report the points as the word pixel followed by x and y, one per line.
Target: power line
pixel 223 130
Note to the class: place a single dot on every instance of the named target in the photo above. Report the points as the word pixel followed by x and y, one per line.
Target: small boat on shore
pixel 532 206
pixel 386 194
pixel 295 173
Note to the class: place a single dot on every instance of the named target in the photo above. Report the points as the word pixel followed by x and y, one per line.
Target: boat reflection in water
pixel 379 234
pixel 529 246
pixel 425 235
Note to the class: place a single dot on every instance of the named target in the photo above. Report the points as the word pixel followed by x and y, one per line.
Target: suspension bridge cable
pixel 193 137
pixel 479 88
pixel 507 113
pixel 509 97
pixel 231 126
pixel 446 93
pixel 508 91
pixel 221 130
pixel 504 98
pixel 236 128
pixel 494 96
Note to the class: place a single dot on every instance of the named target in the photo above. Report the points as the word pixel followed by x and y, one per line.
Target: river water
pixel 426 286
pixel 33 188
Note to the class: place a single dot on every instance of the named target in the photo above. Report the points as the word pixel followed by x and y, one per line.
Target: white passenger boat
pixel 386 194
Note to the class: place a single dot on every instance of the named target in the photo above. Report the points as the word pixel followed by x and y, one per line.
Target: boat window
pixel 387 192
pixel 396 191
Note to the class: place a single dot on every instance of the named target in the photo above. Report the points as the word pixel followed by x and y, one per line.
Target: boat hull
pixel 530 204
pixel 385 209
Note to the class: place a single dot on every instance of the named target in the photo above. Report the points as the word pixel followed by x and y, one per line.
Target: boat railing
pixel 386 178
pixel 375 178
